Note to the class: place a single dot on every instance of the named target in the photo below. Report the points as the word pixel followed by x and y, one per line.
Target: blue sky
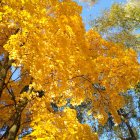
pixel 90 13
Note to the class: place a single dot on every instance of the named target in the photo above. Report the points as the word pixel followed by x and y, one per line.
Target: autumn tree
pixel 121 24
pixel 61 66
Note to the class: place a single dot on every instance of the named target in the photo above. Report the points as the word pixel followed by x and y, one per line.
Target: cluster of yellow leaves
pixel 113 66
pixel 65 62
pixel 61 126
pixel 48 39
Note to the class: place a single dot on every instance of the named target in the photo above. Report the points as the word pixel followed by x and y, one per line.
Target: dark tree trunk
pixel 124 117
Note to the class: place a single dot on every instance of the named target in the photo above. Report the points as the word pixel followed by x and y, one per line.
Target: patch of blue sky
pixel 15 73
pixel 91 12
pixel 137 31
pixel 1 57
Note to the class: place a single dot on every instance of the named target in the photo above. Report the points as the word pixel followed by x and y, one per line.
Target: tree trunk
pixel 12 129
pixel 3 71
pixel 17 119
pixel 122 113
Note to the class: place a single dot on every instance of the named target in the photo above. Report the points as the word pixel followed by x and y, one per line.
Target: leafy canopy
pixel 57 57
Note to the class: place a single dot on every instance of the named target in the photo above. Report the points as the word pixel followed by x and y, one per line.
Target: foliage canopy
pixel 58 61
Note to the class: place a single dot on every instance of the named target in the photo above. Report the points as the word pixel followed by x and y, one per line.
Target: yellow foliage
pixel 60 126
pixel 48 40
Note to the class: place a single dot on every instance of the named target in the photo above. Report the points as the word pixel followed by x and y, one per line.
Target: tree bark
pixel 130 131
pixel 12 129
pixel 122 113
pixel 3 71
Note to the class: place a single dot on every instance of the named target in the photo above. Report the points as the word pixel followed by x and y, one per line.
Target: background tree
pixel 120 24
pixel 61 67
